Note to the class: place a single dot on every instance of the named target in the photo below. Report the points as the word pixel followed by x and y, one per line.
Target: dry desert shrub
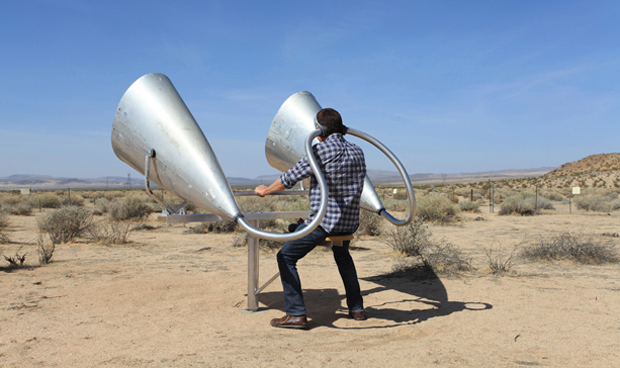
pixel 46 251
pixel 437 208
pixel 4 221
pixel 4 224
pixel 64 224
pixel 48 200
pixel 16 260
pixel 469 206
pixel 499 262
pixel 580 248
pixel 516 205
pixel 216 227
pixel 128 208
pixel 597 203
pixel 74 200
pixel 23 208
pixel 241 240
pixel 370 224
pixel 110 232
pixel 436 256
pixel 398 205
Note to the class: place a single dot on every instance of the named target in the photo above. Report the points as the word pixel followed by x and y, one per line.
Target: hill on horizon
pixel 598 162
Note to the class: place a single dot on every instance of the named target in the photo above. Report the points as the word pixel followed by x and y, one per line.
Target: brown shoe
pixel 290 322
pixel 358 316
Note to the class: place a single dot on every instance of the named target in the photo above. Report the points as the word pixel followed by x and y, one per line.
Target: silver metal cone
pixel 285 140
pixel 152 116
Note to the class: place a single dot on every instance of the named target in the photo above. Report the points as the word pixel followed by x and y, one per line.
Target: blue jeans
pixel 294 250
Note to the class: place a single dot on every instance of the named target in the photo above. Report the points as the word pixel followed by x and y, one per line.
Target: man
pixel 344 168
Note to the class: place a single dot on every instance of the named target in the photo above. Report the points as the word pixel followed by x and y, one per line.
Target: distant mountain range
pixel 378 177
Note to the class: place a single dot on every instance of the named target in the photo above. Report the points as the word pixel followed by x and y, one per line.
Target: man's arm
pixel 276 186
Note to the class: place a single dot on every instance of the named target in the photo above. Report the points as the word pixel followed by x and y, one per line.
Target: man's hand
pixel 261 190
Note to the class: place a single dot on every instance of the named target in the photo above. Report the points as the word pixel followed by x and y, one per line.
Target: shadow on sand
pixel 427 291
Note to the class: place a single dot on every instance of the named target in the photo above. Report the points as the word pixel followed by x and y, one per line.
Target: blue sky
pixel 448 86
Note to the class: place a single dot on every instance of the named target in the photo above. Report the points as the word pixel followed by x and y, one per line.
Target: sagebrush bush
pixel 48 200
pixel 23 208
pixel 4 221
pixel 110 232
pixel 398 205
pixel 540 203
pixel 437 256
pixel 74 200
pixel 469 206
pixel 596 203
pixel 516 205
pixel 370 224
pixel 581 248
pixel 437 208
pixel 258 204
pixel 64 224
pixel 4 224
pixel 129 208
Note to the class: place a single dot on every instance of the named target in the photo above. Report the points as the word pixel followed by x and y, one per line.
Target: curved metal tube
pixel 403 175
pixel 322 209
pixel 147 183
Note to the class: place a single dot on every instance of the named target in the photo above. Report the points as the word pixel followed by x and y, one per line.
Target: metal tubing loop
pixel 147 184
pixel 401 171
pixel 316 169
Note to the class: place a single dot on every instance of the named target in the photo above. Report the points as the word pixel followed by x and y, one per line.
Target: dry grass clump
pixel 64 224
pixel 499 262
pixel 597 203
pixel 46 251
pixel 110 232
pixel 437 208
pixel 370 224
pixel 16 260
pixel 436 256
pixel 580 248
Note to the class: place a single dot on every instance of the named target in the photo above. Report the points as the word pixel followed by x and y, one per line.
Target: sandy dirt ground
pixel 173 299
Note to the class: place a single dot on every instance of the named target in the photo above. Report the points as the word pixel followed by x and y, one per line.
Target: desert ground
pixel 174 299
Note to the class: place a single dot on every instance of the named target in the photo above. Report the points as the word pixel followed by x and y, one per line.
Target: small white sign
pixel 576 190
pixel 395 191
pixel 25 191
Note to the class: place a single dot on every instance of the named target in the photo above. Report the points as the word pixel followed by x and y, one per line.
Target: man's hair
pixel 331 119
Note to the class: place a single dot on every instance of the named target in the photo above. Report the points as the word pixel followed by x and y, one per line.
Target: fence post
pixel 69 190
pixel 492 202
pixel 536 203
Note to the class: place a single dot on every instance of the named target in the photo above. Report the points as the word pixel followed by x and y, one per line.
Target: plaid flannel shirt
pixel 344 168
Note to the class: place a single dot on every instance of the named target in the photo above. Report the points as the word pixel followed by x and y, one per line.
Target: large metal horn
pixel 285 146
pixel 153 122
